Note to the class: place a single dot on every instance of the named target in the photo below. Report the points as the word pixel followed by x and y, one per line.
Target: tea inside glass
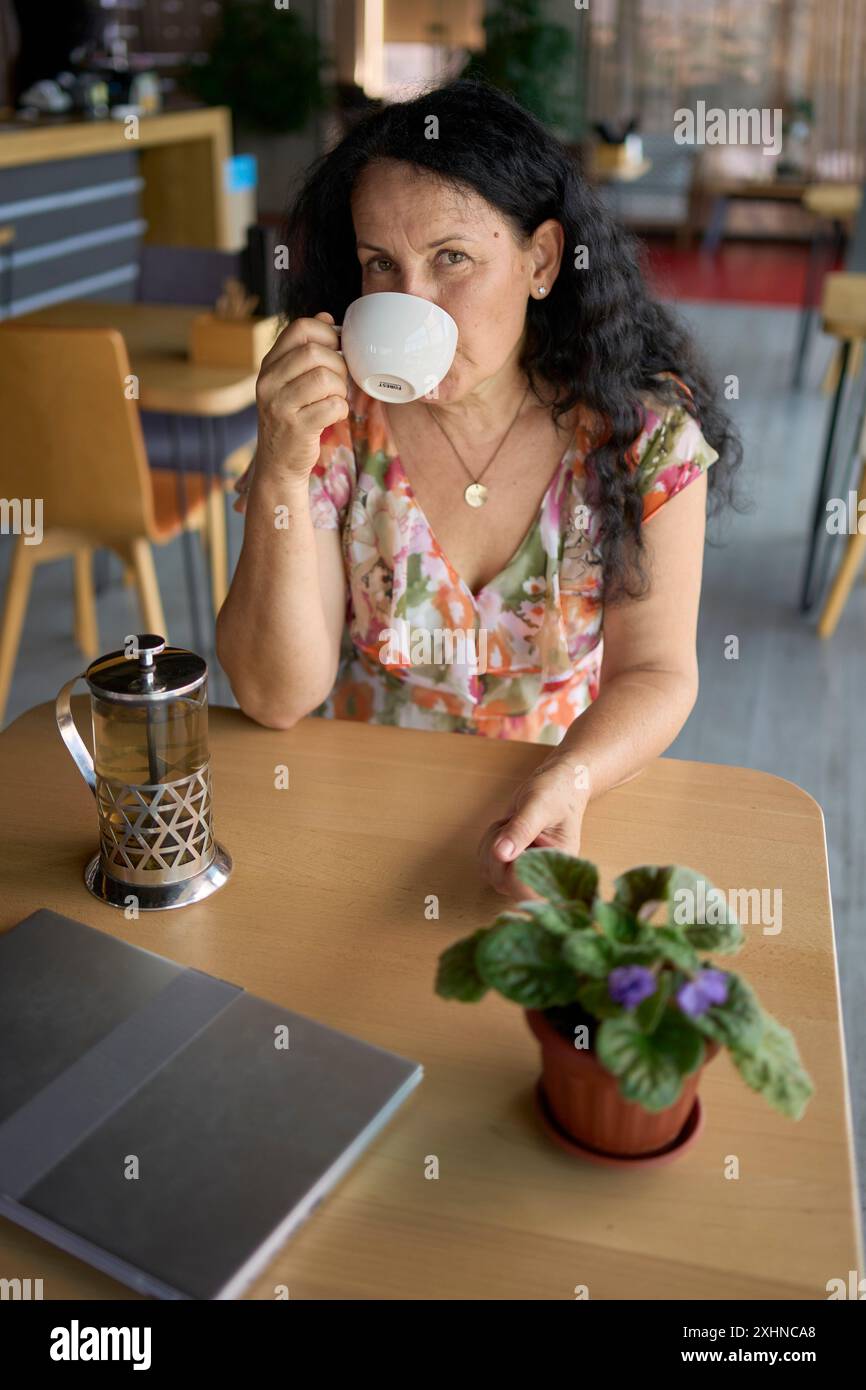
pixel 148 743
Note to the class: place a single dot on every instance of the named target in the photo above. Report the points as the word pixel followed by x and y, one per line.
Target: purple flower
pixel 710 987
pixel 629 985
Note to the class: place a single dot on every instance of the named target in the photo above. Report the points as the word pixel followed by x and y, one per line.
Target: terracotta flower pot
pixel 585 1100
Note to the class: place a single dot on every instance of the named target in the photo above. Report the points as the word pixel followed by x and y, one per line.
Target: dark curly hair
pixel 598 338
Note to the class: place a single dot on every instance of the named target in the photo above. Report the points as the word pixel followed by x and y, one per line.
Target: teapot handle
pixel 70 735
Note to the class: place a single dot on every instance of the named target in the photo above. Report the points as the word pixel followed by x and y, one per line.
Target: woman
pixel 576 398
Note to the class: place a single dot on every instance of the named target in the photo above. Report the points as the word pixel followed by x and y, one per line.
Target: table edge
pixel 725 769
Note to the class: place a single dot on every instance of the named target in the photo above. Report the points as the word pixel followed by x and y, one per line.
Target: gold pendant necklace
pixel 475 494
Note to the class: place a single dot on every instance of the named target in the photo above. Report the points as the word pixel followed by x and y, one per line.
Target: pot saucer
pixel 684 1140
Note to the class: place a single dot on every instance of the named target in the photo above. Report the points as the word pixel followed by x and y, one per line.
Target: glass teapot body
pixel 150 775
pixel 150 744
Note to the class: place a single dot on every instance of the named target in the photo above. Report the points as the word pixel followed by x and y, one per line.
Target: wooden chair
pixel 72 437
pixel 843 316
pixel 855 553
pixel 835 206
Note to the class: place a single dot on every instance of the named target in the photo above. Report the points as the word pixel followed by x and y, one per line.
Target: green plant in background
pixel 652 1002
pixel 265 64
pixel 523 54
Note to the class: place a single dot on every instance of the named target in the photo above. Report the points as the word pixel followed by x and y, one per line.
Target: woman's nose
pixel 415 282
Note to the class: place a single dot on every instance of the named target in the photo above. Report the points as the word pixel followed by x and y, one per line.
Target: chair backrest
pixel 70 431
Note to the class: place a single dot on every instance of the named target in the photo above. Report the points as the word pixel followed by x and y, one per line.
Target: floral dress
pixel 519 659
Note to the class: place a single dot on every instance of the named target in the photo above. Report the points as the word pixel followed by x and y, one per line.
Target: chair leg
pixel 819 512
pixel 842 585
pixel 807 310
pixel 86 623
pixel 24 561
pixel 831 375
pixel 217 549
pixel 139 556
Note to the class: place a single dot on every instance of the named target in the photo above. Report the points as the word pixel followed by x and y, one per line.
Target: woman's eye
pixel 381 264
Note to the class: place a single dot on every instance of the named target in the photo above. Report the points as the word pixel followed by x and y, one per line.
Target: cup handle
pixel 70 735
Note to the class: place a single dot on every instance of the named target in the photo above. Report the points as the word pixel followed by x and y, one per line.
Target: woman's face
pixel 417 235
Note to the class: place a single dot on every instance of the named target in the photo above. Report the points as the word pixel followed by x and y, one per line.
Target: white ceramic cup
pixel 397 346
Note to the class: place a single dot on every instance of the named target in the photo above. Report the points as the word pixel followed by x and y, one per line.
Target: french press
pixel 150 774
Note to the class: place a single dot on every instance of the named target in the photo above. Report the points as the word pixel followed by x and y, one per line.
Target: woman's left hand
pixel 545 811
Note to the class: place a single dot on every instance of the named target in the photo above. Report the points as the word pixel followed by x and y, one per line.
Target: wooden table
pixel 721 191
pixel 325 913
pixel 156 337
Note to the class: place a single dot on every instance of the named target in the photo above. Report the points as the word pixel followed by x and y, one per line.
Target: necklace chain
pixel 476 493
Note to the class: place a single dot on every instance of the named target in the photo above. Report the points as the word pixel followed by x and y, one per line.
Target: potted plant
pixel 523 51
pixel 626 1007
pixel 266 64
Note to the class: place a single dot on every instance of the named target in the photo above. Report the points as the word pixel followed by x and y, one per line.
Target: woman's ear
pixel 548 242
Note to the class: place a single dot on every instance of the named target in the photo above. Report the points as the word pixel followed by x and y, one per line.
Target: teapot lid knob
pixel 149 644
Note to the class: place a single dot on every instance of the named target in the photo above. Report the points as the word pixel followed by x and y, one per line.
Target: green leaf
pixel 693 899
pixel 637 888
pixel 674 947
pixel 595 998
pixel 650 1066
pixel 559 920
pixel 616 923
pixel 524 962
pixel 774 1069
pixel 457 976
pixel 738 1023
pixel 634 942
pixel 649 1012
pixel 558 877
pixel 723 937
pixel 645 954
pixel 588 953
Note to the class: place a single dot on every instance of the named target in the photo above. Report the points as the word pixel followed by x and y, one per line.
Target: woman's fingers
pixel 314 385
pixel 300 391
pixel 300 332
pixel 541 815
pixel 500 873
pixel 301 377
pixel 520 829
pixel 319 414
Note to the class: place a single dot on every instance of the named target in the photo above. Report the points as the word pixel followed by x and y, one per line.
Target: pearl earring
pixel 541 290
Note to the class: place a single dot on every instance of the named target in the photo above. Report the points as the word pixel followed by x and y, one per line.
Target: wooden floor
pixel 790 704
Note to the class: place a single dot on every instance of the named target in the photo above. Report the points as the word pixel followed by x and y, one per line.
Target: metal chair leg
pixel 819 513
pixel 808 310
pixel 849 484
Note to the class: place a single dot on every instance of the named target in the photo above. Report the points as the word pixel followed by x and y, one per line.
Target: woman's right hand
pixel 302 388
